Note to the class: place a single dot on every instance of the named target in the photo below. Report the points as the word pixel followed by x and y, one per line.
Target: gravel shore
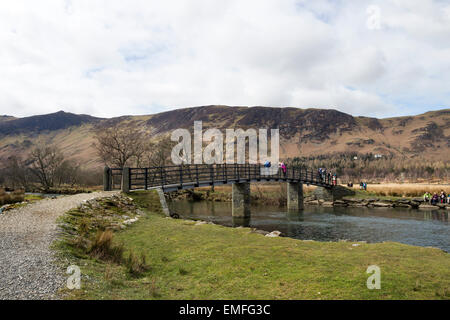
pixel 27 268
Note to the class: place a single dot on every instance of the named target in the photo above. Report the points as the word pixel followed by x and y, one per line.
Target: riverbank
pixel 184 259
pixel 378 196
pixel 17 201
pixel 372 200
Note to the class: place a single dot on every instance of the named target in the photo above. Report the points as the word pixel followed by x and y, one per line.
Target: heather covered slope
pixel 304 132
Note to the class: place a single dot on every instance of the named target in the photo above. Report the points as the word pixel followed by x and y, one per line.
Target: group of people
pixel 323 175
pixel 327 176
pixel 436 198
pixel 363 186
pixel 281 166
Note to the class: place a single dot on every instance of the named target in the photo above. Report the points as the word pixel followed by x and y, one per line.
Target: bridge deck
pixel 172 178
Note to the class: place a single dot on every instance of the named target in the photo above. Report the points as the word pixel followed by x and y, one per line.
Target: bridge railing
pixel 202 174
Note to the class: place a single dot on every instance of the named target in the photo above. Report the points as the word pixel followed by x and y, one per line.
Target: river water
pixel 409 226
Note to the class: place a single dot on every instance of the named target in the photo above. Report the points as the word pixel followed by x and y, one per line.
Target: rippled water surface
pixel 415 227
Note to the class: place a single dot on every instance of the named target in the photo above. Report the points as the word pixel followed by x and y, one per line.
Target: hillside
pixel 303 132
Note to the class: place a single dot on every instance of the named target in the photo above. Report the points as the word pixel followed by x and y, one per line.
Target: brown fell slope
pixel 303 131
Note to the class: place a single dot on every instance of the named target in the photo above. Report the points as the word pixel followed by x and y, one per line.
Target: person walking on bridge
pixel 283 168
pixel 334 180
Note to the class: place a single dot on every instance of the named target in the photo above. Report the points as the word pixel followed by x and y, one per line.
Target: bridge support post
pixel 162 200
pixel 106 179
pixel 332 194
pixel 294 196
pixel 241 200
pixel 125 179
pixel 325 194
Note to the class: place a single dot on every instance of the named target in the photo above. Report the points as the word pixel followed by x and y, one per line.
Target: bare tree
pixel 68 173
pixel 46 161
pixel 117 146
pixel 17 173
pixel 158 154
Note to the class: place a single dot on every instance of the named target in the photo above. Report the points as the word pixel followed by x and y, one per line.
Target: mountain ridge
pixel 303 132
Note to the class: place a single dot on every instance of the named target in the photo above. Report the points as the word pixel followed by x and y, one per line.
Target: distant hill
pixel 6 118
pixel 303 132
pixel 48 122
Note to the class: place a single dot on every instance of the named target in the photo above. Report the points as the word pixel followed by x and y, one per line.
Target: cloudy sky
pixel 113 57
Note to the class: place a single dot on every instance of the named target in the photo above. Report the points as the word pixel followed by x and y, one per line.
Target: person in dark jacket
pixel 434 199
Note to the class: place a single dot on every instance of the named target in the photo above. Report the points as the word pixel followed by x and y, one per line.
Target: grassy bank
pixel 189 261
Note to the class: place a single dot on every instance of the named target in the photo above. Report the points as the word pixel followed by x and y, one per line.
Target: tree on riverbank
pixel 118 146
pixel 46 162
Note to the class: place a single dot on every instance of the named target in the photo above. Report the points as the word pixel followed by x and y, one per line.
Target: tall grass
pixel 406 189
pixel 103 248
pixel 136 265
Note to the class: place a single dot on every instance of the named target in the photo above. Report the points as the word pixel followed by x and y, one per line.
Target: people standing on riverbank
pixel 443 197
pixel 435 199
pixel 427 197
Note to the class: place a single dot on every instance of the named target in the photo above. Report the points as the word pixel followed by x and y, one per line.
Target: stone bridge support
pixel 331 194
pixel 241 200
pixel 162 200
pixel 294 196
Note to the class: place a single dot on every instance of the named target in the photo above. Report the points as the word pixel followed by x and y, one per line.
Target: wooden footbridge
pixel 173 178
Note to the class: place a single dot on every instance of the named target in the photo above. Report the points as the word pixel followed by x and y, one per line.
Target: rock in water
pixel 428 207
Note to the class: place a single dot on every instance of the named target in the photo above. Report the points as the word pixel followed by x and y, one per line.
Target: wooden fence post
pixel 146 178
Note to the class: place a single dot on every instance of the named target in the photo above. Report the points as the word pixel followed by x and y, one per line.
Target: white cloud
pixel 111 57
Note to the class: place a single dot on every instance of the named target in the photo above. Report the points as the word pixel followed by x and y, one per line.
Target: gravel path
pixel 27 269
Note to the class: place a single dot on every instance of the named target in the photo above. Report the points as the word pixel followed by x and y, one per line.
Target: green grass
pixel 33 197
pixel 361 194
pixel 188 261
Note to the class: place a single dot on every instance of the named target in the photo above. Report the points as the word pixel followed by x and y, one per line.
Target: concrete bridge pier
pixel 294 196
pixel 332 194
pixel 241 200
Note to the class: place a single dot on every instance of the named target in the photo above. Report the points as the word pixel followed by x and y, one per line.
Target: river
pixel 409 226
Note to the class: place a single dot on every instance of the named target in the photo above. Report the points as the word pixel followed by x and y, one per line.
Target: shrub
pixel 15 196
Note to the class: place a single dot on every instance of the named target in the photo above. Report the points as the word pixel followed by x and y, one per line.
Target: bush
pixel 8 198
